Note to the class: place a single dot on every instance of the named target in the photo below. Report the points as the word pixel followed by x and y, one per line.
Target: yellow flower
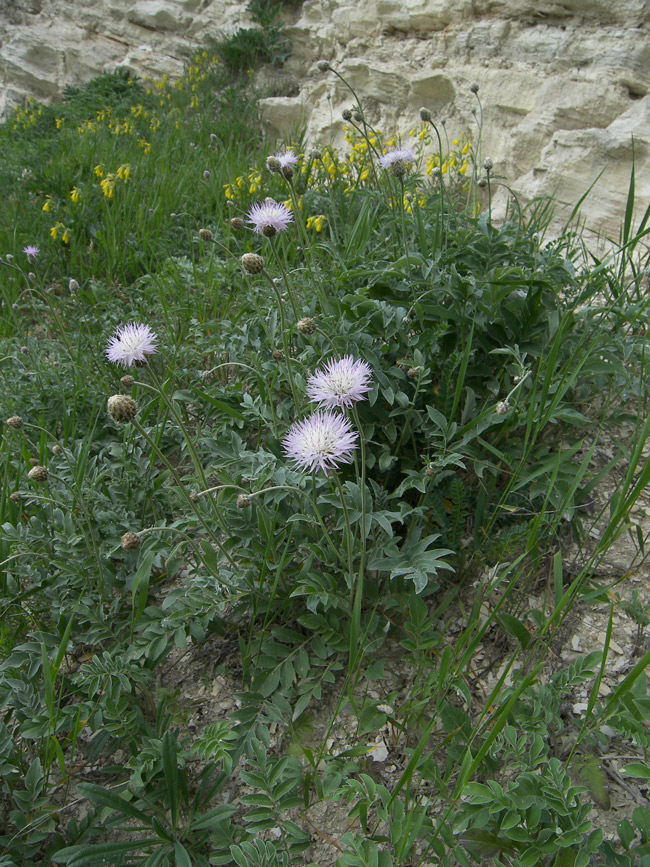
pixel 47 205
pixel 316 222
pixel 124 172
pixel 75 194
pixel 108 185
pixel 59 121
pixel 65 237
pixel 54 232
pixel 99 170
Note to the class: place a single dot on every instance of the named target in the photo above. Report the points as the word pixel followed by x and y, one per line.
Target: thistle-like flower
pixel 131 344
pixel 397 160
pixel 283 160
pixel 31 251
pixel 252 263
pixel 341 383
pixel 321 442
pixel 269 217
pixel 38 474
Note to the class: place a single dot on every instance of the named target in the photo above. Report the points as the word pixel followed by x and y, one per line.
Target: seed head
pixel 243 501
pixel 15 422
pixel 131 541
pixel 237 223
pixel 121 408
pixel 205 234
pixel 425 115
pixel 127 381
pixel 306 325
pixel 252 263
pixel 38 474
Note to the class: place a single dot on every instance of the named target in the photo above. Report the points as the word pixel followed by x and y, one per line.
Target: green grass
pixel 499 364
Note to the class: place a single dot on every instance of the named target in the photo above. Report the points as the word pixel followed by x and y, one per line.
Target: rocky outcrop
pixel 563 83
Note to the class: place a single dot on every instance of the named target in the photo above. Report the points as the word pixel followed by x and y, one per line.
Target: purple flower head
pixel 287 158
pixel 320 442
pixel 340 383
pixel 31 251
pixel 269 217
pixel 401 155
pixel 131 344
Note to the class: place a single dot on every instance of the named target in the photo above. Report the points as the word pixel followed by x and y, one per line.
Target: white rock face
pixel 563 83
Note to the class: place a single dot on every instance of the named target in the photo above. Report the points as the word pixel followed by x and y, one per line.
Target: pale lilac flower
pixel 400 155
pixel 31 251
pixel 131 344
pixel 287 158
pixel 340 383
pixel 321 442
pixel 269 217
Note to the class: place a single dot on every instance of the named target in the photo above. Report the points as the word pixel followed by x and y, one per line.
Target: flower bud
pixel 346 114
pixel 503 407
pixel 131 542
pixel 306 325
pixel 73 286
pixel 398 169
pixel 357 116
pixel 425 115
pixel 56 450
pixel 436 173
pixel 243 501
pixel 316 155
pixel 206 175
pixel 252 263
pixel 277 355
pixel 38 474
pixel 429 472
pixel 473 87
pixel 323 66
pixel 269 231
pixel 487 164
pixel 237 223
pixel 205 234
pixel 273 164
pixel 287 172
pixel 9 258
pixel 15 422
pixel 15 497
pixel 121 408
pixel 413 372
pixel 482 182
pixel 127 381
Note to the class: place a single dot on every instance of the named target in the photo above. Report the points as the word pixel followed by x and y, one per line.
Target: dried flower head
pixel 131 541
pixel 397 160
pixel 38 474
pixel 121 408
pixel 131 344
pixel 321 442
pixel 306 325
pixel 269 217
pixel 205 234
pixel 127 381
pixel 31 251
pixel 341 383
pixel 243 501
pixel 425 115
pixel 15 422
pixel 252 263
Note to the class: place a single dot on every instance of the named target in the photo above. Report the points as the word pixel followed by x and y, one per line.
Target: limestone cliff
pixel 563 83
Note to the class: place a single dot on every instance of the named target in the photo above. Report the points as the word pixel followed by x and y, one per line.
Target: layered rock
pixel 563 83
